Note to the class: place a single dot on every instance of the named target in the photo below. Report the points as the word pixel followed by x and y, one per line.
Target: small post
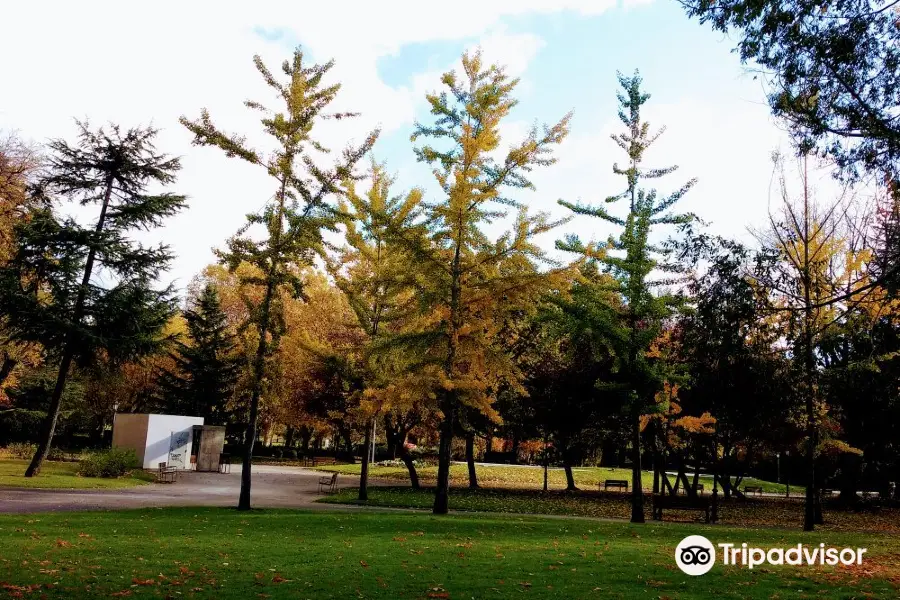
pixel 546 462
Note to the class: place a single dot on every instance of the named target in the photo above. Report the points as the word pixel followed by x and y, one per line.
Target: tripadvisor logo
pixel 696 555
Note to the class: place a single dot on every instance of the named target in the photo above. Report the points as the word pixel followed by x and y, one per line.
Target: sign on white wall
pixel 179 448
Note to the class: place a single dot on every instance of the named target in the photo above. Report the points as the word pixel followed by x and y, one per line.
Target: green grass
pixel 63 475
pixel 762 512
pixel 527 477
pixel 221 553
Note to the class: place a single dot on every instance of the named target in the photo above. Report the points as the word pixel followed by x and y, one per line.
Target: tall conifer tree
pixel 295 217
pixel 206 367
pixel 631 259
pixel 79 290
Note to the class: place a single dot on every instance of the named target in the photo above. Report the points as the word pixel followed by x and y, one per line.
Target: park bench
pixel 620 484
pixel 701 504
pixel 328 483
pixel 318 461
pixel 166 474
pixel 753 489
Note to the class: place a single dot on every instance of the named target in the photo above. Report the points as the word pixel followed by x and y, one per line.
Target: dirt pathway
pixel 273 487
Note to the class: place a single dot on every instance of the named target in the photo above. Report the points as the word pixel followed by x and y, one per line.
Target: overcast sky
pixel 146 63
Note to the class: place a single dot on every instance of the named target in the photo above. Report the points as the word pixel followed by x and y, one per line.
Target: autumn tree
pixel 729 343
pixel 201 381
pixel 296 215
pixel 631 259
pixel 374 271
pixel 565 369
pixel 320 363
pixel 80 290
pixel 455 345
pixel 19 162
pixel 814 281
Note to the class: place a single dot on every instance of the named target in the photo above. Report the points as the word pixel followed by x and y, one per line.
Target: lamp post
pixel 778 466
pixel 787 480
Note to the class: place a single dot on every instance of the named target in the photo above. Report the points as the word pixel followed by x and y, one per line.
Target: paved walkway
pixel 273 487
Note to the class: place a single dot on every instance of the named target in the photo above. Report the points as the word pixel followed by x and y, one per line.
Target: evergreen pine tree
pixel 206 368
pixel 81 290
pixel 632 327
pixel 293 219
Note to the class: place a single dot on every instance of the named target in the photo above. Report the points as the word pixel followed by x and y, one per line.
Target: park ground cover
pixel 63 475
pixel 526 477
pixel 223 553
pixel 757 512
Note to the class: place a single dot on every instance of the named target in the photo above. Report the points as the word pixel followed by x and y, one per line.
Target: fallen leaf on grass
pixel 137 581
pixel 121 594
pixel 364 564
pixel 63 543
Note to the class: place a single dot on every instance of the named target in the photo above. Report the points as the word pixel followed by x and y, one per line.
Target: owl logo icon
pixel 695 555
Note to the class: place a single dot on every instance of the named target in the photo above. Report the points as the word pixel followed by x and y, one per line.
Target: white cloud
pixel 109 61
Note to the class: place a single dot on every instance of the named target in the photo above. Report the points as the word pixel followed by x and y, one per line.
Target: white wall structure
pixel 156 438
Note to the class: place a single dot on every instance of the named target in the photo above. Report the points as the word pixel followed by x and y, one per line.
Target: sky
pixel 139 64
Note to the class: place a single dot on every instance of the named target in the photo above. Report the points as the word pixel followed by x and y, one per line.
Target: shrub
pixel 291 453
pixel 114 462
pixel 277 453
pixel 57 454
pixel 21 450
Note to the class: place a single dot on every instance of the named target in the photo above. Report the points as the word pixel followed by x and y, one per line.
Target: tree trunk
pixel 410 466
pixel 470 460
pixel 289 437
pixel 655 472
pixel 364 470
pixel 637 488
pixel 259 364
pixel 570 478
pixel 812 510
pixel 68 350
pixel 442 491
pixel 390 435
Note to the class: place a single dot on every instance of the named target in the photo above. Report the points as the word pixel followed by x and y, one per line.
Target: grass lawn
pixel 768 512
pixel 62 475
pixel 533 477
pixel 221 553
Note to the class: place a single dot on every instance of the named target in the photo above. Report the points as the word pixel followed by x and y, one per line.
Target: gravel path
pixel 273 487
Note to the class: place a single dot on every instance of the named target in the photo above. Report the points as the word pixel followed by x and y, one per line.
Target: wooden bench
pixel 699 488
pixel 318 461
pixel 166 474
pixel 620 484
pixel 328 483
pixel 701 504
pixel 753 489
